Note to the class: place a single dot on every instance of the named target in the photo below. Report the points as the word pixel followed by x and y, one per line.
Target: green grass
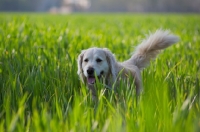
pixel 40 89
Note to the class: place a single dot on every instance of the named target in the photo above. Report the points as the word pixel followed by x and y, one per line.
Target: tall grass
pixel 40 89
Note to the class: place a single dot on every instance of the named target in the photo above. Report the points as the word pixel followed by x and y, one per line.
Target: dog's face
pixel 97 62
pixel 93 62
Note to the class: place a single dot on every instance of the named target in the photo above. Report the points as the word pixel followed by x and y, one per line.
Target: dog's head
pixel 98 62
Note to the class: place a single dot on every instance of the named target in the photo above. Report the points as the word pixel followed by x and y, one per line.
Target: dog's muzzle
pixel 91 75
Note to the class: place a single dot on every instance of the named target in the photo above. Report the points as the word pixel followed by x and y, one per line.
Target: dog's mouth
pixel 92 79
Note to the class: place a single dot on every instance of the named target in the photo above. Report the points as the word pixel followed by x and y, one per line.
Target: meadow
pixel 40 89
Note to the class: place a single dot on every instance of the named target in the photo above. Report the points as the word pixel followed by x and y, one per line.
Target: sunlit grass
pixel 40 89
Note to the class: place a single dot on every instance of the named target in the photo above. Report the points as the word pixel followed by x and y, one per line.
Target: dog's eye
pixel 98 60
pixel 86 60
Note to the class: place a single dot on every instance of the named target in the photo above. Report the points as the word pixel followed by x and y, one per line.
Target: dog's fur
pixel 100 63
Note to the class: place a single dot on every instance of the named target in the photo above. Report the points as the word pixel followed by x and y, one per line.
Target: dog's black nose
pixel 90 71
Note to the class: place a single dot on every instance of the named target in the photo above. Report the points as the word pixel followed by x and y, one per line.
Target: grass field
pixel 40 89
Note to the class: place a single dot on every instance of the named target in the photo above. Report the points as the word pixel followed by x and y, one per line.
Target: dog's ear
pixel 112 63
pixel 80 69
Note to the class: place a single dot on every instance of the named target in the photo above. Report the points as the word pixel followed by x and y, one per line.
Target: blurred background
pixel 69 6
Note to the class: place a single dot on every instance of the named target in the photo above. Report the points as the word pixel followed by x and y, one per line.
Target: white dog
pixel 100 63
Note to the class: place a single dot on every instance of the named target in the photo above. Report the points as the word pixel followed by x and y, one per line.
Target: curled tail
pixel 150 48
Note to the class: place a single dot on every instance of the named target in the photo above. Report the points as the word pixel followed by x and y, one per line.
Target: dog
pixel 99 63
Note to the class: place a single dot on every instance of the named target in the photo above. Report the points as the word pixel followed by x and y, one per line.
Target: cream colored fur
pixel 106 68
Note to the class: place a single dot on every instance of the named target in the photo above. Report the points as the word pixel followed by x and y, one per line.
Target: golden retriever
pixel 100 63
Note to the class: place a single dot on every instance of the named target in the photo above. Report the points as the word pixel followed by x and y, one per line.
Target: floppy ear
pixel 80 69
pixel 112 63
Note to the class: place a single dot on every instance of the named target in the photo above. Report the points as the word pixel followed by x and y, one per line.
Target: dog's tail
pixel 150 47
